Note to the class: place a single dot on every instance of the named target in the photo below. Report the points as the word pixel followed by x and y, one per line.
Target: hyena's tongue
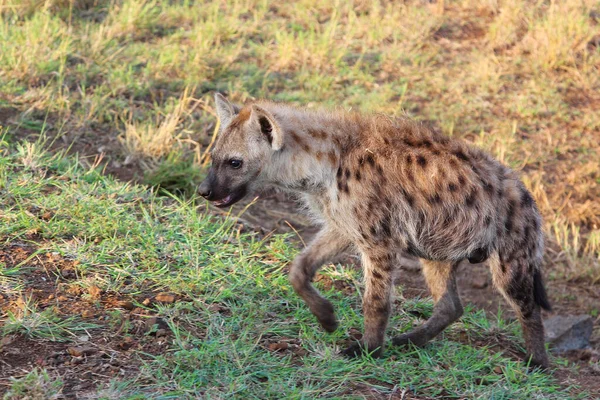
pixel 222 202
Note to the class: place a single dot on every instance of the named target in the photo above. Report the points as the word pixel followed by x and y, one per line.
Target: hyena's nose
pixel 204 190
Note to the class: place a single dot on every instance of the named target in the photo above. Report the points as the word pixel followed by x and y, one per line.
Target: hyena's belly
pixel 448 239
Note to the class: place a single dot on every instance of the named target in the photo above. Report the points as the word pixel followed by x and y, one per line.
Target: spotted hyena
pixel 383 186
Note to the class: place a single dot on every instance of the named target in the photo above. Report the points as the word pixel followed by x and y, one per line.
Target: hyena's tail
pixel 539 291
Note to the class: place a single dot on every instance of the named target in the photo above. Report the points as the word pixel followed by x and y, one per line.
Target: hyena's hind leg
pixel 520 282
pixel 326 245
pixel 441 280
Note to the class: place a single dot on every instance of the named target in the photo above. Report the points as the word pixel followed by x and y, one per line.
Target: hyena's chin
pixel 232 198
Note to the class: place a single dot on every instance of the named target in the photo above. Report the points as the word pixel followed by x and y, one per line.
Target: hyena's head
pixel 247 139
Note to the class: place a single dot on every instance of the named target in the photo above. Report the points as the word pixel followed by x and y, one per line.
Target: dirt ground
pixel 106 352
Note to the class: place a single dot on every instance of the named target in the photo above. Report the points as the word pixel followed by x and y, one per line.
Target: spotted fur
pixel 384 186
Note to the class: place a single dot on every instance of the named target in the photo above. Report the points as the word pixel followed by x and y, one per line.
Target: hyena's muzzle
pixel 220 191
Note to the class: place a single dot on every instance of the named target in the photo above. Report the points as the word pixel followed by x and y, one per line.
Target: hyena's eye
pixel 235 164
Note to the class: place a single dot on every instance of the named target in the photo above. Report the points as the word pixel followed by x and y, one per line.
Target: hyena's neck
pixel 314 142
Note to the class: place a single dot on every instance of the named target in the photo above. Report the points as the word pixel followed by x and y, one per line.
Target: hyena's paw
pixel 358 349
pixel 326 316
pixel 405 339
pixel 541 363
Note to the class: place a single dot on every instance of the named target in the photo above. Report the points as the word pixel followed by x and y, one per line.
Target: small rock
pixel 83 338
pixel 87 313
pixel 146 302
pixel 568 332
pixel 165 298
pixel 126 304
pixel 80 351
pixel 278 346
pixel 62 298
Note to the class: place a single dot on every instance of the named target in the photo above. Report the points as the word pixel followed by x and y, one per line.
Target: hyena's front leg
pixel 440 277
pixel 377 303
pixel 326 245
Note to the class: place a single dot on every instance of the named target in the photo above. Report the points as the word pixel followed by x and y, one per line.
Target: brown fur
pixel 386 186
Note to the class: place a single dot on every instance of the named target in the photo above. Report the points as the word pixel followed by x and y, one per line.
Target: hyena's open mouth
pixel 231 198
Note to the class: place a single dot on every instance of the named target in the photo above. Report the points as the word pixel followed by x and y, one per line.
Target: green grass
pixel 130 241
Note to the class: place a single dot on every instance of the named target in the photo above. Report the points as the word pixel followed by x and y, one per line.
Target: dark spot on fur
pixel 339 173
pixel 453 163
pixel 487 220
pixel 422 161
pixel 370 160
pixel 373 230
pixel 488 187
pixel 452 187
pixel 435 152
pixel 357 175
pixel 377 275
pixel 526 233
pixel 317 134
pixel 435 199
pixel 295 137
pixel 508 224
pixel 409 159
pixel 347 173
pixel 536 224
pixel 461 180
pixel 460 155
pixel 319 155
pixel 332 157
pixel 526 199
pixel 426 143
pixel 502 264
pixel 470 200
pixel 409 142
pixel 379 170
pixel 385 226
pixel 409 198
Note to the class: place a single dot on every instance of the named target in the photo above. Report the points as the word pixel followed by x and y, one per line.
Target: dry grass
pixel 520 78
pixel 155 140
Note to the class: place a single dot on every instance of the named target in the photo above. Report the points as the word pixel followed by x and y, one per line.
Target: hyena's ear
pixel 268 126
pixel 226 111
